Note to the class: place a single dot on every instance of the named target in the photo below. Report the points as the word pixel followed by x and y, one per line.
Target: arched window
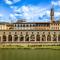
pixel 9 37
pixel 4 36
pixel 43 37
pixel 15 36
pixel 54 37
pixel 59 37
pixel 27 37
pixel 38 37
pixel 21 37
pixel 49 37
pixel 32 37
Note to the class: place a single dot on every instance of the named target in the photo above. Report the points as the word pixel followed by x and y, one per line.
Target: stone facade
pixel 30 36
pixel 31 32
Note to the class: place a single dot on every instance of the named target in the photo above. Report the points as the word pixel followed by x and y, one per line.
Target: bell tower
pixel 52 14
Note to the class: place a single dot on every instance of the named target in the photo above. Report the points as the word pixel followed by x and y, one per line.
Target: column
pixel 57 37
pixel 6 38
pixel 1 38
pixel 40 38
pixel 29 37
pixel 46 38
pixel 51 38
pixel 24 38
pixel 35 38
pixel 13 38
pixel 18 38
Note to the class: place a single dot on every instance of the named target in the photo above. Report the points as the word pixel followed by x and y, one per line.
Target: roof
pixel 32 23
pixel 3 23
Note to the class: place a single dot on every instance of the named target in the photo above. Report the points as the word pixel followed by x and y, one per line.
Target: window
pixel 18 25
pixel 23 25
pixel 33 25
pixel 27 25
pixel 15 25
pixel 30 25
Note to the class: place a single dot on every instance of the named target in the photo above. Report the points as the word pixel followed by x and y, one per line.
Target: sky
pixel 30 10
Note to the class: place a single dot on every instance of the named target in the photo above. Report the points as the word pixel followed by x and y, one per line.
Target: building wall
pixel 3 27
pixel 31 26
pixel 18 32
pixel 54 26
pixel 42 28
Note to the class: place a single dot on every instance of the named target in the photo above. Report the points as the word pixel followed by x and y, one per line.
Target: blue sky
pixel 31 10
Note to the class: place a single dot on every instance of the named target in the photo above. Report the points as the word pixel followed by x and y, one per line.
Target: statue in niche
pixel 54 37
pixel 32 37
pixel 9 37
pixel 15 36
pixel 49 37
pixel 38 37
pixel 21 37
pixel 43 37
pixel 27 37
pixel 4 36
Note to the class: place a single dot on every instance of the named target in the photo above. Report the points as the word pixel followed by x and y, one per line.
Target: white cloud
pixel 12 17
pixel 2 18
pixel 1 15
pixel 10 2
pixel 56 3
pixel 57 14
pixel 16 1
pixel 32 13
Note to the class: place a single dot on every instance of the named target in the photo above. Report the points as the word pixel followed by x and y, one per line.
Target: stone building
pixel 32 32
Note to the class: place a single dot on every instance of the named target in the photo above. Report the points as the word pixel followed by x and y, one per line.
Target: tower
pixel 52 14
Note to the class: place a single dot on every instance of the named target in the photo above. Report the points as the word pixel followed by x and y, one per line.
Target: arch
pixel 9 37
pixel 21 37
pixel 27 37
pixel 49 37
pixel 32 37
pixel 43 37
pixel 15 37
pixel 38 37
pixel 4 37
